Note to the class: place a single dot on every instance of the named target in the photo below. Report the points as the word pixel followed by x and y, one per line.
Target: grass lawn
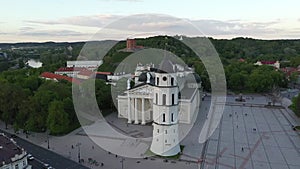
pixel 175 157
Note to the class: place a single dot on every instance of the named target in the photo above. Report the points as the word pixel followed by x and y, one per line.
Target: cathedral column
pixel 136 121
pixel 143 111
pixel 129 110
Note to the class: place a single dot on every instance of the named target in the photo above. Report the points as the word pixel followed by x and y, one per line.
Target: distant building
pixel 85 74
pixel 275 64
pixel 131 46
pixel 11 155
pixel 69 71
pixel 57 77
pixel 106 76
pixel 89 64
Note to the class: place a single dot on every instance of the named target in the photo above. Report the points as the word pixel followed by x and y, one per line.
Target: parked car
pixel 46 166
pixel 30 157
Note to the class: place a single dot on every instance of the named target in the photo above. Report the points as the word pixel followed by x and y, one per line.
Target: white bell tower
pixel 165 114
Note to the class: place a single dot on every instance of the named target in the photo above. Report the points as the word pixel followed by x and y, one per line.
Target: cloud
pixel 87 21
pixel 215 27
pixel 26 28
pixel 51 33
pixel 120 26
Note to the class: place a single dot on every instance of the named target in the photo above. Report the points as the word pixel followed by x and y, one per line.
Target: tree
pixel 296 105
pixel 11 97
pixel 237 81
pixel 57 120
pixel 69 109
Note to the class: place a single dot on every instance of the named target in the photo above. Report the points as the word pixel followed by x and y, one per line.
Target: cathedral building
pixel 163 97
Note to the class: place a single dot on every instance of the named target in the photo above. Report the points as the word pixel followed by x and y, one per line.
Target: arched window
pixel 172 81
pixel 172 117
pixel 156 98
pixel 164 117
pixel 157 81
pixel 164 99
pixel 173 99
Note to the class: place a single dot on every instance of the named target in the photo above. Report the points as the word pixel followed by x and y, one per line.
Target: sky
pixel 81 20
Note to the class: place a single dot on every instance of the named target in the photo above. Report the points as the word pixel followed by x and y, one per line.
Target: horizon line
pixel 208 37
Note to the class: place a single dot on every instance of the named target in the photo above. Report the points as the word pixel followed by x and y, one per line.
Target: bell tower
pixel 165 140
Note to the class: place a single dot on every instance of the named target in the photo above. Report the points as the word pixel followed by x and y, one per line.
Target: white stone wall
pixel 165 140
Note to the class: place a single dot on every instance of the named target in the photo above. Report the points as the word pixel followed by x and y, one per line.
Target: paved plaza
pixel 253 137
pixel 249 136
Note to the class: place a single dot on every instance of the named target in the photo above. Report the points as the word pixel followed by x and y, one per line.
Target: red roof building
pixel 104 73
pixel 70 71
pixel 85 74
pixel 268 62
pixel 275 64
pixel 57 77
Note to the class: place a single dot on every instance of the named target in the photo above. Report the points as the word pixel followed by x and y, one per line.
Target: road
pixel 36 164
pixel 41 154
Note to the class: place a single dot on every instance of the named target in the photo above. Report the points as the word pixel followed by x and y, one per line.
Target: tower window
pixel 164 99
pixel 166 131
pixel 157 80
pixel 164 117
pixel 157 130
pixel 166 141
pixel 173 99
pixel 164 78
pixel 172 81
pixel 172 117
pixel 156 98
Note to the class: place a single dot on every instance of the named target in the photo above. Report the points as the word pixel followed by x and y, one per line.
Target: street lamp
pixel 199 163
pixel 78 145
pixel 122 161
pixel 48 140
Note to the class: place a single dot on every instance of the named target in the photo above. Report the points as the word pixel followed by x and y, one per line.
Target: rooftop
pixel 59 77
pixel 268 62
pixel 104 73
pixel 85 73
pixel 187 93
pixel 8 149
pixel 70 69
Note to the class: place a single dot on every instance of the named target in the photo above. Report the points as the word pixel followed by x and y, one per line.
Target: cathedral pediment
pixel 142 90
